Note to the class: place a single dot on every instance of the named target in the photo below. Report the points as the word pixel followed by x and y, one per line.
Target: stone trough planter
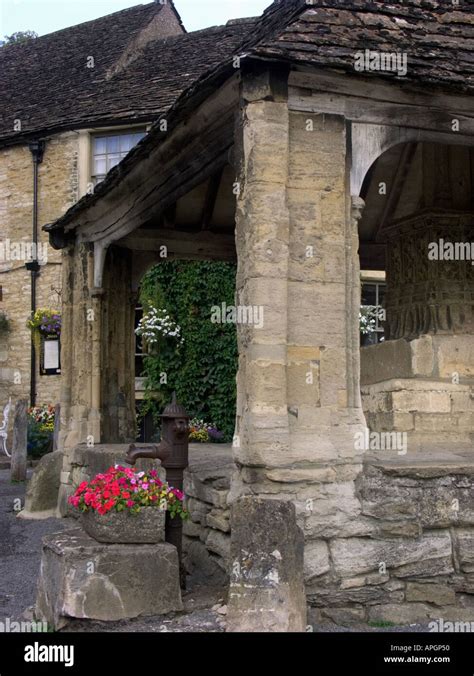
pixel 146 527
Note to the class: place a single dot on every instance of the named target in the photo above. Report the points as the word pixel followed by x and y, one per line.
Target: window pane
pixel 100 145
pixel 100 166
pixel 112 161
pixel 113 143
pixel 126 143
pixel 108 151
pixel 369 294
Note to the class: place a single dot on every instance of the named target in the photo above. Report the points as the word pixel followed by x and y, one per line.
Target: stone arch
pixel 370 141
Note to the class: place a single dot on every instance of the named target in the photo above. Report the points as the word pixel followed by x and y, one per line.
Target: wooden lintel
pixel 204 245
pixel 210 199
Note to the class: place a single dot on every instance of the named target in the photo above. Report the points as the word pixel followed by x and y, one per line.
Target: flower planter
pixel 146 527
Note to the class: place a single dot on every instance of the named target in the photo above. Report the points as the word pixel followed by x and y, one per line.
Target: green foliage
pixel 202 368
pixel 40 439
pixel 20 36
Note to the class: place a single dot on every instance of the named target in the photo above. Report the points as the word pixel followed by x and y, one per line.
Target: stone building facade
pixel 55 107
pixel 294 144
pixel 58 180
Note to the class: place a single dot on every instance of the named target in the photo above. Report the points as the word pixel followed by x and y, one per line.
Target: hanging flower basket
pixel 45 324
pixel 128 507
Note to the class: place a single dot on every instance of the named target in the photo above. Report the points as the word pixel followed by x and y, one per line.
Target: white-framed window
pixel 108 149
pixel 373 305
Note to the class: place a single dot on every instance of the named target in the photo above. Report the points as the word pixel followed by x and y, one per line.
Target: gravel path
pixel 20 551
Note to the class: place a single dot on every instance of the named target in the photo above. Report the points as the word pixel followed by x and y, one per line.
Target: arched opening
pixel 417 274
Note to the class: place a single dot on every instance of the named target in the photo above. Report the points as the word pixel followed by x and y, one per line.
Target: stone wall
pixel 424 387
pixel 409 557
pixel 416 561
pixel 57 185
pixel 206 535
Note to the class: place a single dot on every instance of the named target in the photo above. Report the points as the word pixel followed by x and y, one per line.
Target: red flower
pixel 108 505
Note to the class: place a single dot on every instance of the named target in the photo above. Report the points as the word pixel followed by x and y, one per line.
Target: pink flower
pixel 130 503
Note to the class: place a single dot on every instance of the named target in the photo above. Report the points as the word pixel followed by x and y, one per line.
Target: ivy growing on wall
pixel 202 367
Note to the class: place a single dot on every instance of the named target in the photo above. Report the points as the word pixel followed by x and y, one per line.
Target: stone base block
pixel 267 582
pixel 43 487
pixel 81 578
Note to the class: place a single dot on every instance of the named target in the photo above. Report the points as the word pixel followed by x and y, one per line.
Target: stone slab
pixel 43 487
pixel 83 579
pixel 267 591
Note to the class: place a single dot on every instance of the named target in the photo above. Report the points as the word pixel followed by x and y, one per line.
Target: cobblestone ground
pixel 20 555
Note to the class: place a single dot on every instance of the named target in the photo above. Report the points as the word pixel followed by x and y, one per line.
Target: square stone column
pixel 298 383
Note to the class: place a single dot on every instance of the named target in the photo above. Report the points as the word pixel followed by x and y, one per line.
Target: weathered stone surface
pixel 354 556
pixel 192 529
pixel 197 510
pixel 464 539
pixel 20 442
pixel 267 551
pixel 332 510
pixel 219 519
pixel 42 490
pixel 80 578
pixel 58 176
pixel 316 559
pixel 439 594
pixel 204 566
pixel 408 613
pixel 206 493
pixel 332 596
pixel 344 616
pixel 219 543
pixel 363 580
pixel 146 527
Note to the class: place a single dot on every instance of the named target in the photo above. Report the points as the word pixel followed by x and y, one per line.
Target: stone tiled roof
pixel 46 84
pixel 168 67
pixel 437 36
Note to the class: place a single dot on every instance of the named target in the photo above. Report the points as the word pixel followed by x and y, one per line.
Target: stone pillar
pixel 298 411
pixel 76 362
pixel 97 300
pixel 66 341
